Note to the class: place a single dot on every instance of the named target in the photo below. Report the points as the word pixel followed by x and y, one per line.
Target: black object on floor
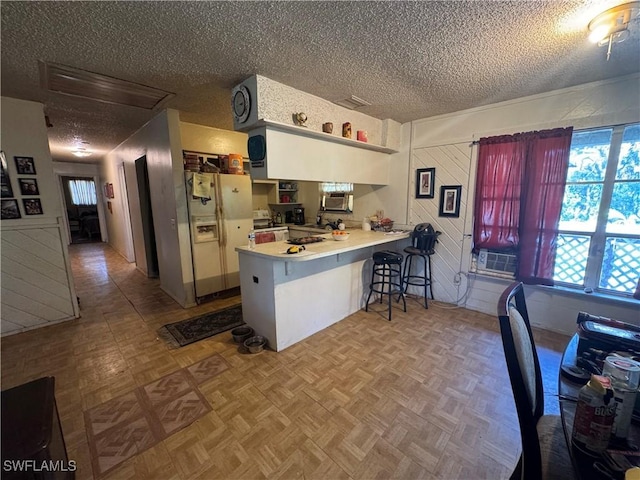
pixel 197 328
pixel 31 432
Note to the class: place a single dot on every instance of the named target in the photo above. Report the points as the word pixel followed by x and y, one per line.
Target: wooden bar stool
pixel 423 242
pixel 386 277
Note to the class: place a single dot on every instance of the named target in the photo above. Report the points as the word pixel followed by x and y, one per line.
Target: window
pixel 598 246
pixel 83 192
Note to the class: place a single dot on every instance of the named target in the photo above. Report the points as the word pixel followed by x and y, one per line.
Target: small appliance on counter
pixel 298 216
pixel 265 230
pixel 288 216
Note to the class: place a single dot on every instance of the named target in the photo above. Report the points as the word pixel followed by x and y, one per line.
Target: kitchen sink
pixel 312 226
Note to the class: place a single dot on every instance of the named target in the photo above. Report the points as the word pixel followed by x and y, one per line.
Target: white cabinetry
pixel 299 154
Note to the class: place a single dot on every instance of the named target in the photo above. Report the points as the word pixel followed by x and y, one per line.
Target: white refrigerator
pixel 220 220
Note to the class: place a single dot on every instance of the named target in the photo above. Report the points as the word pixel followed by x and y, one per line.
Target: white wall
pixel 159 141
pixel 444 142
pixel 278 102
pixel 37 286
pixel 392 198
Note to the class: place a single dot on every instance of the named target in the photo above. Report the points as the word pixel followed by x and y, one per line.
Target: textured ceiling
pixel 409 59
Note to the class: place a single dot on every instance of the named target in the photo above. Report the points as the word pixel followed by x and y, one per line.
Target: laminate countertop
pixel 357 239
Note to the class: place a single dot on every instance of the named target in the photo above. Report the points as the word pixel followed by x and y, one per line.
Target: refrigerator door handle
pixel 222 230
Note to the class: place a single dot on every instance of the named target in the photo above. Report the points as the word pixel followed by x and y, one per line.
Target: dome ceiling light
pixel 81 152
pixel 611 26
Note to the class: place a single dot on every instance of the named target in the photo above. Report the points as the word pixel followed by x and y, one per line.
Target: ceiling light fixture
pixel 81 152
pixel 611 26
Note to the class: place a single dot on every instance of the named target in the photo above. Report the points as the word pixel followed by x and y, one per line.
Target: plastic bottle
pixel 594 416
pixel 252 239
pixel 625 379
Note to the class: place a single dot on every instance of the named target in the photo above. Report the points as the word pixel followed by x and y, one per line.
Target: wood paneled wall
pixel 36 285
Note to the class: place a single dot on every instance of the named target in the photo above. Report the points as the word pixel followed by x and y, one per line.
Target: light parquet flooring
pixel 424 396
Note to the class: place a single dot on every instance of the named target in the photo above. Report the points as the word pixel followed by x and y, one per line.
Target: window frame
pixel 598 238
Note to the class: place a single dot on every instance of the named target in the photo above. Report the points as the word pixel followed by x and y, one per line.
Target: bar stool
pixel 386 277
pixel 423 242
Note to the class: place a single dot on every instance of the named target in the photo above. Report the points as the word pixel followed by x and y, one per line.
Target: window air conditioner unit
pixel 495 262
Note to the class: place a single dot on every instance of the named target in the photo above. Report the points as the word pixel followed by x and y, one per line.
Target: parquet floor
pixel 424 396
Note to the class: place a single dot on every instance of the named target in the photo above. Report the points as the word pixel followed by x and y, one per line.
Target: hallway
pixel 424 396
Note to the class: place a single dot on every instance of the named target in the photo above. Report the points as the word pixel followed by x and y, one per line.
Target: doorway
pixel 146 216
pixel 81 208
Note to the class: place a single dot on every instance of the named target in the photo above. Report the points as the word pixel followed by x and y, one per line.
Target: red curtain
pixel 519 190
pixel 497 197
pixel 542 193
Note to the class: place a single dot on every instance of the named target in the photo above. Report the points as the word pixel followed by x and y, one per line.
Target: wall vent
pixel 352 102
pixel 494 262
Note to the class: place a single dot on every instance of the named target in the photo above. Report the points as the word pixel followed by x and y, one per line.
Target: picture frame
pixel 5 182
pixel 9 209
pixel 108 190
pixel 28 186
pixel 25 165
pixel 32 206
pixel 425 179
pixel 450 201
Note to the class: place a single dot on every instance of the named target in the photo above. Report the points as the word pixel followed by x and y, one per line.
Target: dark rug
pixel 191 330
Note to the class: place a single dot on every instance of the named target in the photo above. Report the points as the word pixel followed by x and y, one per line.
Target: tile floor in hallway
pixel 424 396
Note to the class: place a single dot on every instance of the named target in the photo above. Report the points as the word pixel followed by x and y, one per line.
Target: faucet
pixel 334 225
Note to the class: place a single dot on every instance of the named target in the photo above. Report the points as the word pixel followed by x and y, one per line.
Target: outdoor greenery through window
pixel 599 229
pixel 83 192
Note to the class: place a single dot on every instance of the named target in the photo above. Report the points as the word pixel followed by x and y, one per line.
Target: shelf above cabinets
pixel 322 136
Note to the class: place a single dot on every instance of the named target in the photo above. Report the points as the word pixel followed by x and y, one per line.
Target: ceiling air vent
pixel 80 83
pixel 352 102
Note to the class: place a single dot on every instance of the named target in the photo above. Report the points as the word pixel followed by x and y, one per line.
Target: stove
pixel 261 219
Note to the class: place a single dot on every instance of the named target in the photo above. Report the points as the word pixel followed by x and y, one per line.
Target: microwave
pixel 339 202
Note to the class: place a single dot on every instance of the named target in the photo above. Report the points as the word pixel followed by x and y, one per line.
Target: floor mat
pixel 198 328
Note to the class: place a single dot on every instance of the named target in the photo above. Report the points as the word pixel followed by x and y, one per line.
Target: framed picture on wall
pixel 25 165
pixel 425 178
pixel 10 209
pixel 450 201
pixel 28 186
pixel 5 183
pixel 32 206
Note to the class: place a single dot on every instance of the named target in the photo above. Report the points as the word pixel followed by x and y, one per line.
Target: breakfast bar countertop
pixel 284 296
pixel 357 239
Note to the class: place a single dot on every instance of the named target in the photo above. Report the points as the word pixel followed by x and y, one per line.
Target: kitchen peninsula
pixel 289 297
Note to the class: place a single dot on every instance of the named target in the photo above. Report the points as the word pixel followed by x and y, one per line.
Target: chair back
pixel 424 237
pixel 525 376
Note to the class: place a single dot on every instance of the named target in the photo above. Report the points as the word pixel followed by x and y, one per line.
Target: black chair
pixel 386 278
pixel 544 449
pixel 423 244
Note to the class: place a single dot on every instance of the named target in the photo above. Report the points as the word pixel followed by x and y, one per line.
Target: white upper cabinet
pixel 268 108
pixel 301 157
